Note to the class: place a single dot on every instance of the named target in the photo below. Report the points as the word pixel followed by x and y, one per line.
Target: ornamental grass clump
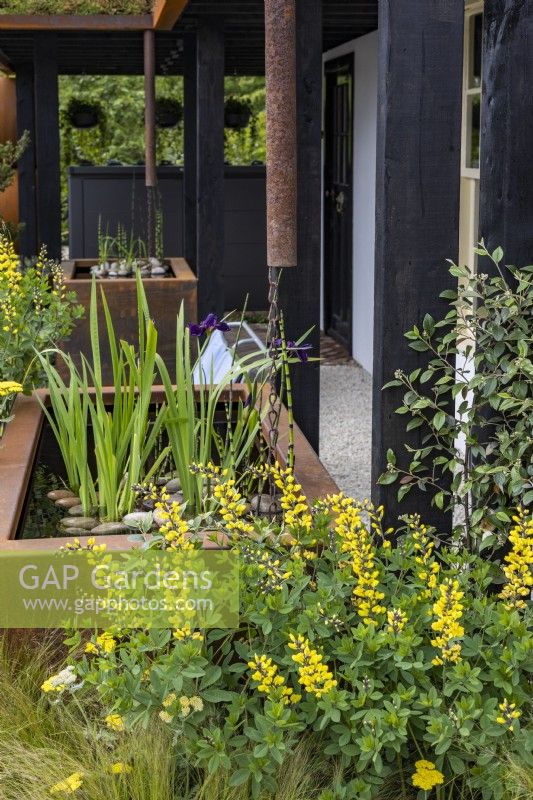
pixel 391 655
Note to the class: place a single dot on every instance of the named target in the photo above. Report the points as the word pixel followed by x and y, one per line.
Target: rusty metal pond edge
pixel 18 450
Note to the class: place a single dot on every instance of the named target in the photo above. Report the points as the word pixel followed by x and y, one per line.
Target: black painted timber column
pixel 210 167
pixel 506 166
pixel 47 143
pixel 417 209
pixel 190 139
pixel 26 163
pixel 300 287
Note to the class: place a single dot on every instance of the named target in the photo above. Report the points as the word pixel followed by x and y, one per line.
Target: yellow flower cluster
pixel 9 263
pixel 273 574
pixel 232 507
pixel 265 673
pixel 428 568
pixel 312 673
pixel 518 568
pixel 358 543
pixel 90 547
pixel 115 722
pixel 426 776
pixel 120 768
pixel 187 634
pixel 296 514
pixel 183 706
pixel 509 714
pixel 105 643
pixel 174 528
pixel 9 387
pixel 448 611
pixel 58 683
pixel 69 785
pixel 396 620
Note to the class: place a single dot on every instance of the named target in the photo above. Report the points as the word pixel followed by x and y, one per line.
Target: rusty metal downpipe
pixel 280 71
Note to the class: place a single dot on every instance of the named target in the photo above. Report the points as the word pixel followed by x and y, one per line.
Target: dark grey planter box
pixel 117 194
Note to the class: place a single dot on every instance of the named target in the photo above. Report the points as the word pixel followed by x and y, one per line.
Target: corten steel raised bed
pixel 19 447
pixel 164 296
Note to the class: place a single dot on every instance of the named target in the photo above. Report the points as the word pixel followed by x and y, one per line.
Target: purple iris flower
pixel 299 350
pixel 209 324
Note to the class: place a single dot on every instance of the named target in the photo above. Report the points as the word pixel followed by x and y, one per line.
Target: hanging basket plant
pixel 168 112
pixel 84 114
pixel 237 113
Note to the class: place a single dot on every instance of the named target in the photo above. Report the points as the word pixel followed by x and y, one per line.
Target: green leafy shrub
pixel 36 313
pixel 10 152
pixel 480 459
pixel 394 661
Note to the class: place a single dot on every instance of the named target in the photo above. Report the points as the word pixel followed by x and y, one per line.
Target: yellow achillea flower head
pixel 518 567
pixel 509 714
pixel 68 785
pixel 120 768
pixel 115 722
pixel 448 610
pixel 10 387
pixel 312 673
pixel 426 776
pixel 58 683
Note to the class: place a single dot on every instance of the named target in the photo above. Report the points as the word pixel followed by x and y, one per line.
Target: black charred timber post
pixel 26 163
pixel 506 154
pixel 300 288
pixel 210 167
pixel 47 153
pixel 190 134
pixel 417 211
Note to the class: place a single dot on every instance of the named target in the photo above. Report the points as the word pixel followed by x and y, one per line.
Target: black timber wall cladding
pixel 117 195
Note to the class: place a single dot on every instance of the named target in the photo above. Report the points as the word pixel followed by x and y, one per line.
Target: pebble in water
pixel 110 527
pixel 87 523
pixel 59 494
pixel 68 502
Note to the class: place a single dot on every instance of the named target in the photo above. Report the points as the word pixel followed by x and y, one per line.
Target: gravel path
pixel 346 426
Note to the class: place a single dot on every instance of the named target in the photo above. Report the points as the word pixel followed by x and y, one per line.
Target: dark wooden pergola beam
pixel 47 147
pixel 25 87
pixel 210 167
pixel 417 210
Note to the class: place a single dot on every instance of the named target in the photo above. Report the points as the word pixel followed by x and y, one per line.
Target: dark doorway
pixel 338 213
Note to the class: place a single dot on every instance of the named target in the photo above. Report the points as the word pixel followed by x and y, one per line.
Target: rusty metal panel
pixel 280 68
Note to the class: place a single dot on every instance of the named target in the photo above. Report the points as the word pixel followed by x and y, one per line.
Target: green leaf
pixel 438 420
pixel 217 695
